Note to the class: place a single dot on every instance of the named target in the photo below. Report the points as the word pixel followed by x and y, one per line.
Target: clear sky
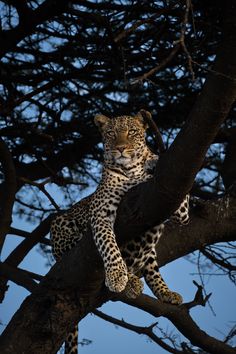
pixel 107 338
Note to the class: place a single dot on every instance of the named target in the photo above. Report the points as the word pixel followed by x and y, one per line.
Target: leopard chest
pixel 109 194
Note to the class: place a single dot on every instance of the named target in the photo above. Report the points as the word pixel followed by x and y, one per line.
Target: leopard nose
pixel 121 148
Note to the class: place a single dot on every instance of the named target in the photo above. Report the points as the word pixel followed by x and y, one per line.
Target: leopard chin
pixel 123 160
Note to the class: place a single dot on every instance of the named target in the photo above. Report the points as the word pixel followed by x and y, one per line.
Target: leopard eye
pixel 132 132
pixel 110 133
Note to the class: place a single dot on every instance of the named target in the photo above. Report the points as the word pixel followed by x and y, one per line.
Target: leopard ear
pixel 143 117
pixel 100 120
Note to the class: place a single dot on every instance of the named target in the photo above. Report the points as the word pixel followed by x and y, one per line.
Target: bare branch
pixel 199 299
pixel 221 262
pixel 18 276
pixel 44 12
pixel 19 253
pixel 25 234
pixel 182 38
pixel 148 331
pixel 159 67
pixel 136 25
pixel 181 318
pixel 41 187
pixel 8 192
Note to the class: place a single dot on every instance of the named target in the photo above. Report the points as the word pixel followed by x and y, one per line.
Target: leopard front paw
pixel 116 278
pixel 134 286
pixel 170 297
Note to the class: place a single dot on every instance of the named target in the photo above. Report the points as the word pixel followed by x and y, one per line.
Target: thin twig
pixel 49 85
pixel 202 281
pixel 182 38
pixel 41 187
pixel 213 71
pixel 159 67
pixel 32 206
pixel 221 262
pixel 199 299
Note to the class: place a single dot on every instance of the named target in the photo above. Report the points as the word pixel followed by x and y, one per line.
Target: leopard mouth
pixel 121 157
pixel 124 154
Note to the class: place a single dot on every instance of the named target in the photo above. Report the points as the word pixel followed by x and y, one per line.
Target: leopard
pixel 128 161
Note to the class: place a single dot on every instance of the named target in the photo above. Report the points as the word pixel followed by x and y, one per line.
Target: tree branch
pixel 8 193
pixel 19 253
pixel 44 12
pixel 211 222
pixel 182 320
pixel 18 276
pixel 25 234
pixel 148 331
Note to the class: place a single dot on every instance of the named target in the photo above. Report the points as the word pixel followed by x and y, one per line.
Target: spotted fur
pixel 127 162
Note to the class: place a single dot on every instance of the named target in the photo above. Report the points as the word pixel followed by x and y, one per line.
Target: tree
pixel 62 62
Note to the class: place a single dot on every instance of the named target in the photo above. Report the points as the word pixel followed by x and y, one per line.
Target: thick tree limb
pixel 212 222
pixel 20 252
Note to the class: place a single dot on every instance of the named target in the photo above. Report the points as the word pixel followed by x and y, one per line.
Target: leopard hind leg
pixel 181 215
pixel 71 343
pixel 134 253
pixel 156 283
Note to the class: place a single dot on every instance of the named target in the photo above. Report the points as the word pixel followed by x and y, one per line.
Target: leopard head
pixel 123 138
